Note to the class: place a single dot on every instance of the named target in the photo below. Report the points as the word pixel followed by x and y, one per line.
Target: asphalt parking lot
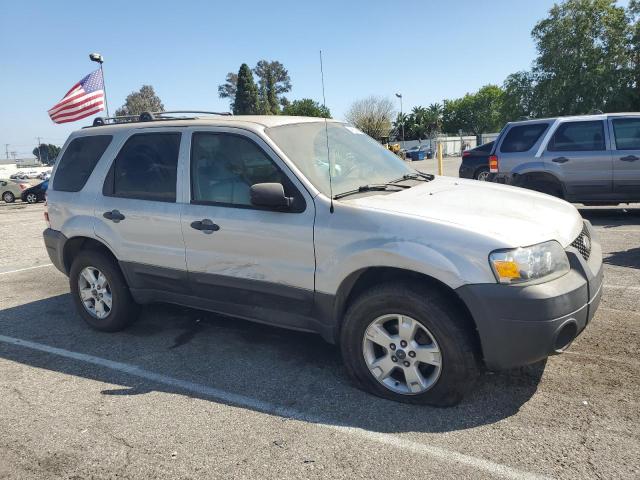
pixel 186 394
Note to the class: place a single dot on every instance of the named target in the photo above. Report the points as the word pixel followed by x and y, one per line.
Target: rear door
pixel 252 261
pixel 578 154
pixel 626 157
pixel 137 213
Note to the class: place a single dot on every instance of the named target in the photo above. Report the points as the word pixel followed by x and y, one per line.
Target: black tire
pixel 31 198
pixel 481 171
pixel 124 310
pixel 8 197
pixel 442 317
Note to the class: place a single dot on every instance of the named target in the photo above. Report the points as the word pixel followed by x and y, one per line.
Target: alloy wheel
pixel 483 176
pixel 32 198
pixel 95 292
pixel 402 354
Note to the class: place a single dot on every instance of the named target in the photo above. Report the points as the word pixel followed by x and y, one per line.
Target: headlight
pixel 546 260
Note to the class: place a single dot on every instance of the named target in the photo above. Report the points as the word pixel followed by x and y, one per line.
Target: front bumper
pixel 522 324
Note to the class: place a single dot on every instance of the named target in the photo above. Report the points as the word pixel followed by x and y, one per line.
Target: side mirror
pixel 269 195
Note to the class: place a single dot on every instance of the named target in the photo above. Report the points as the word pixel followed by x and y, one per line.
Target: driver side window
pixel 224 167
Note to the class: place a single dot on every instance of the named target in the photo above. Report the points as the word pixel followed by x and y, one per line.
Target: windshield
pixel 356 159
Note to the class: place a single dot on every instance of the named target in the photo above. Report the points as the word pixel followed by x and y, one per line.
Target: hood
pixel 516 216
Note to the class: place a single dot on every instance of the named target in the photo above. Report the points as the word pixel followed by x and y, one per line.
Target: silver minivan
pixel 590 159
pixel 311 225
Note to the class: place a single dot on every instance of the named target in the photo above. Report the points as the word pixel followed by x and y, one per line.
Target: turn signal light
pixel 493 164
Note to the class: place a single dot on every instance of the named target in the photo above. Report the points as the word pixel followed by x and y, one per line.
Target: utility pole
pixel 6 150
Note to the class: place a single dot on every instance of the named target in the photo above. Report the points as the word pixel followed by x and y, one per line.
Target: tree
pixel 144 100
pixel 583 59
pixel 306 108
pixel 273 82
pixel 475 113
pixel 372 115
pixel 46 153
pixel 228 89
pixel 246 99
pixel 519 98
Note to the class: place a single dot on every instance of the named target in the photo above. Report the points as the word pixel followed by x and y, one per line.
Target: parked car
pixel 10 190
pixel 589 159
pixel 36 193
pixel 421 280
pixel 18 176
pixel 414 152
pixel 44 175
pixel 475 162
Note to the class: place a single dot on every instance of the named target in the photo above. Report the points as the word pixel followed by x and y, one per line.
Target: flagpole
pixel 96 57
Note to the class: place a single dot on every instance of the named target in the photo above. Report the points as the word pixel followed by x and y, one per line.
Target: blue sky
pixel 428 50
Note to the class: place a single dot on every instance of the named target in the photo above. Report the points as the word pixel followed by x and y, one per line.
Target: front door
pixel 249 261
pixel 137 214
pixel 578 154
pixel 626 157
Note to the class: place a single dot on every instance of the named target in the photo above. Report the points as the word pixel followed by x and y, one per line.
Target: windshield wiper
pixel 425 177
pixel 371 188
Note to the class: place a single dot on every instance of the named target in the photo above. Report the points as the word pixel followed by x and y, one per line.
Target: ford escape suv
pixel 314 226
pixel 590 159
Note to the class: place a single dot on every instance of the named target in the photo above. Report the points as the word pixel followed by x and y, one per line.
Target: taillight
pixel 22 186
pixel 466 153
pixel 493 163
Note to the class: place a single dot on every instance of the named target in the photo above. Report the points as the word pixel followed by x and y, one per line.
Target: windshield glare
pixel 356 159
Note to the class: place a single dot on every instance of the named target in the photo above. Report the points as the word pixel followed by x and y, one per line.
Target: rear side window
pixel 627 133
pixel 146 168
pixel 578 137
pixel 486 148
pixel 522 137
pixel 78 161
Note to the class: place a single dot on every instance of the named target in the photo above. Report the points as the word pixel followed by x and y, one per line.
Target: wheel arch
pixel 363 279
pixel 75 245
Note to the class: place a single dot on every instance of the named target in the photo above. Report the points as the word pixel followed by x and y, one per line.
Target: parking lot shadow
pixel 611 217
pixel 293 371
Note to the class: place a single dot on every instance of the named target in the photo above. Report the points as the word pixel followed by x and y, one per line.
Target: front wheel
pixel 409 344
pixel 8 197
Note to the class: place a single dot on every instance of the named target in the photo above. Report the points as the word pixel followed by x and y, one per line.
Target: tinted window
pixel 146 167
pixel 486 148
pixel 522 137
pixel 578 137
pixel 627 132
pixel 224 167
pixel 78 161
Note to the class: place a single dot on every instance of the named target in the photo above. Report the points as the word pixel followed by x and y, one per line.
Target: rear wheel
pixel 482 174
pixel 100 292
pixel 8 197
pixel 409 344
pixel 32 198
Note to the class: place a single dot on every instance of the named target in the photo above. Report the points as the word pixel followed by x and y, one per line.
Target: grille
pixel 583 243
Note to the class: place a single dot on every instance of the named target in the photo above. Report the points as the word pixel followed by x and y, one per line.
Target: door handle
pixel 560 160
pixel 629 158
pixel 206 226
pixel 114 215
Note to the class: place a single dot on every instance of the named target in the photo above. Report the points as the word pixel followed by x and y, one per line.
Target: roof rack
pixel 152 116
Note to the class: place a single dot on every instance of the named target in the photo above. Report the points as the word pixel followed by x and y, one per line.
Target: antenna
pixel 326 131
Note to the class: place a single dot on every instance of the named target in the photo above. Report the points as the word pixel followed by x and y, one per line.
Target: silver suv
pixel 590 159
pixel 314 226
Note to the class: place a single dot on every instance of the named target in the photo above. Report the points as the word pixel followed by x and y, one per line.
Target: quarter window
pixel 627 133
pixel 522 137
pixel 578 137
pixel 146 167
pixel 78 161
pixel 225 166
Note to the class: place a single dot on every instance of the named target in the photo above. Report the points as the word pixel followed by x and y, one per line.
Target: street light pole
pixel 96 57
pixel 399 95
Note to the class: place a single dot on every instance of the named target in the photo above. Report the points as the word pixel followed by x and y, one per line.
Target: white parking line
pixel 622 287
pixel 27 268
pixel 435 452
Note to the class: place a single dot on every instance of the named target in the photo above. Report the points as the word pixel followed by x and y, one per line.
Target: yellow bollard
pixel 440 167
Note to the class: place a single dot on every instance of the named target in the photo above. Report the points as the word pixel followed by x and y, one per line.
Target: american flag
pixel 85 98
